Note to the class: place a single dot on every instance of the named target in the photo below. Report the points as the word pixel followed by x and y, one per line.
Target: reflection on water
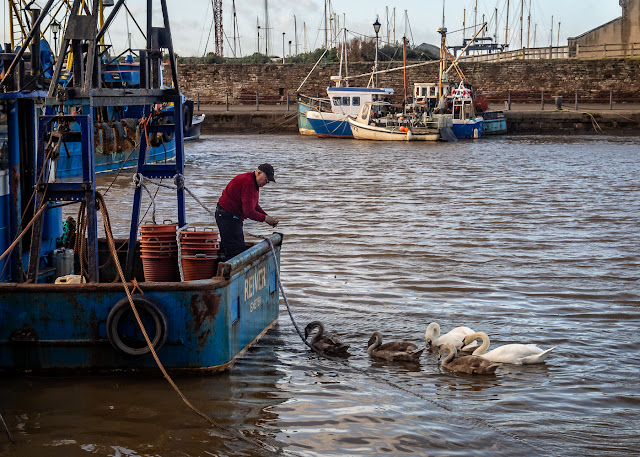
pixel 528 239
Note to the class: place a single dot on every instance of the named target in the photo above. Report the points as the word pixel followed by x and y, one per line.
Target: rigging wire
pixel 204 24
pixel 206 44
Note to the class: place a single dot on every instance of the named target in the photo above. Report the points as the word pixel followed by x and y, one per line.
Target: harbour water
pixel 529 239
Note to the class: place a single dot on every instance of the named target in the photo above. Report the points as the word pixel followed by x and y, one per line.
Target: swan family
pixel 459 339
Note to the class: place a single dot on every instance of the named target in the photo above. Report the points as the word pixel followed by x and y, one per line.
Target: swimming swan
pixel 394 351
pixel 517 354
pixel 469 364
pixel 328 343
pixel 454 337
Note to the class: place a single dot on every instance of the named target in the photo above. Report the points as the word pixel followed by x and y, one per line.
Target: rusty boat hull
pixel 207 323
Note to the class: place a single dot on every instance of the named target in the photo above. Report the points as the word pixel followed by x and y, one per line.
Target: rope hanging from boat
pixel 109 235
pixel 138 180
pixel 6 429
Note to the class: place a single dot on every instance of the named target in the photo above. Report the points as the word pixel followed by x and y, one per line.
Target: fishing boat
pixel 379 121
pixel 494 123
pixel 345 102
pixel 466 123
pixel 65 305
pixel 308 103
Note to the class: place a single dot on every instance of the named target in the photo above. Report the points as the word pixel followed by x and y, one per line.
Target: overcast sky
pixel 191 21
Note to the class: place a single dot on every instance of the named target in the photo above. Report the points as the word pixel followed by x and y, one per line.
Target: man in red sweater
pixel 239 201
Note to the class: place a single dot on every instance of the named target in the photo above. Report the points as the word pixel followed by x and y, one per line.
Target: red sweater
pixel 240 198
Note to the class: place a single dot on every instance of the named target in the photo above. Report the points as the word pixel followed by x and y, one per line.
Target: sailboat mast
pixel 325 25
pixel 506 27
pixel 295 32
pixel 443 34
pixel 521 23
pixel 475 18
pixel 529 24
pixel 234 28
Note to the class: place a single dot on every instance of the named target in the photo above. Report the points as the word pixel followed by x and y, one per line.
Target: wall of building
pixel 623 30
pixel 591 78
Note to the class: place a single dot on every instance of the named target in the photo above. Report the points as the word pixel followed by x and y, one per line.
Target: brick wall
pixel 592 78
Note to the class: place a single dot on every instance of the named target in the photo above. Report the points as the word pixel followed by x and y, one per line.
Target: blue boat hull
pixel 331 129
pixel 495 126
pixel 467 129
pixel 111 156
pixel 63 327
pixel 304 126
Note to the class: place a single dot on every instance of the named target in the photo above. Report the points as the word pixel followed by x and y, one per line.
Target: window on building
pixel 345 101
pixel 337 101
pixel 355 101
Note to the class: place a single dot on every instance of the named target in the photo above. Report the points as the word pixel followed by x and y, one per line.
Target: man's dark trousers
pixel 231 233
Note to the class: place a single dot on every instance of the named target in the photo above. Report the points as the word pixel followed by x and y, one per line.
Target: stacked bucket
pixel 200 251
pixel 159 252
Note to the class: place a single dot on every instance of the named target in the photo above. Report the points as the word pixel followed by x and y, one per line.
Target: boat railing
pixel 315 103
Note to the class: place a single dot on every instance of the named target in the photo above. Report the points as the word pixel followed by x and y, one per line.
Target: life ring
pixel 151 315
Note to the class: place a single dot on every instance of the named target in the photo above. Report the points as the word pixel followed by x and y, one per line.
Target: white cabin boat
pixel 345 102
pixel 378 121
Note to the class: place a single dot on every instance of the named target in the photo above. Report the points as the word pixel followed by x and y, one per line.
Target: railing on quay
pixel 548 99
pixel 577 51
pixel 562 99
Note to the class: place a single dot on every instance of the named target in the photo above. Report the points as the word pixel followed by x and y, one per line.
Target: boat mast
pixel 475 18
pixel 346 54
pixel 506 27
pixel 443 34
pixel 521 23
pixel 325 25
pixel 529 24
pixel 295 33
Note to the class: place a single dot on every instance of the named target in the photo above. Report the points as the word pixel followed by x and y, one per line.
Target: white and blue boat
pixel 345 102
pixel 466 123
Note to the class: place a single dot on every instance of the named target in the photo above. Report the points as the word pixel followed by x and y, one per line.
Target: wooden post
pixel 287 101
pixel 198 101
pixel 542 100
pixel 576 100
pixel 509 104
pixel 227 101
pixel 257 102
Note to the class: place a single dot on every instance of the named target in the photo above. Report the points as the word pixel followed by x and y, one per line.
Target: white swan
pixel 454 337
pixel 517 354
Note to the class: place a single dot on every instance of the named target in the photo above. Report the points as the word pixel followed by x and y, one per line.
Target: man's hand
pixel 272 221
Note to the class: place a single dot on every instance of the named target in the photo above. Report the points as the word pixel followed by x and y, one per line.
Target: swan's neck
pixel 317 336
pixel 485 343
pixel 375 345
pixel 450 356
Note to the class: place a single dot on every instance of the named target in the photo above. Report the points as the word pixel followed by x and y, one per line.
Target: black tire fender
pixel 187 117
pixel 147 309
pixel 167 137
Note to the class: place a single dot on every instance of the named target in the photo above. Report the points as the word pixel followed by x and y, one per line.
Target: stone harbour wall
pixel 524 79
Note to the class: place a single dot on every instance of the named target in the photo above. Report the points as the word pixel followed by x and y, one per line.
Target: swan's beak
pixel 430 344
pixel 463 344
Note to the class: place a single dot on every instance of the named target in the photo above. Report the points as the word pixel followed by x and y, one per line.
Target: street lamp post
pixel 282 47
pixel 55 28
pixel 376 27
